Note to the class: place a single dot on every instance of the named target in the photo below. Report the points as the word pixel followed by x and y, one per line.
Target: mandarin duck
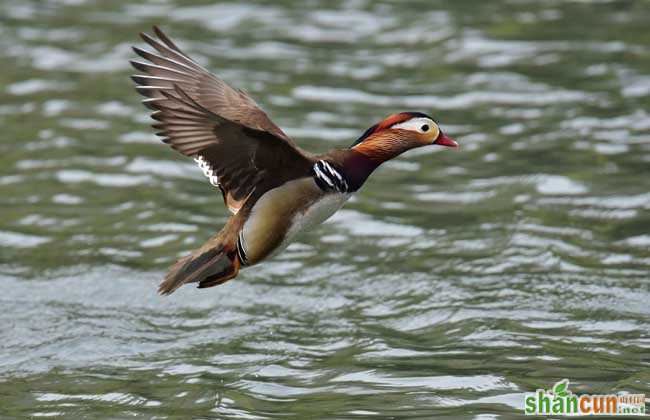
pixel 273 188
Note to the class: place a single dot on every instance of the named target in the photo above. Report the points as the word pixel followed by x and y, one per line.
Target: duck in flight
pixel 273 188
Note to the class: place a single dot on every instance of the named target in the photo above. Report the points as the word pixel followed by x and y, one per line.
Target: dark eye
pixel 424 128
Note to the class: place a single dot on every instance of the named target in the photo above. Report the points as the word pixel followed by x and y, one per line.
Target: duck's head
pixel 399 133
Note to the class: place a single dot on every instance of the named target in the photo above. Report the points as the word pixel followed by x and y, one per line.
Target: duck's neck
pixel 356 166
pixel 362 159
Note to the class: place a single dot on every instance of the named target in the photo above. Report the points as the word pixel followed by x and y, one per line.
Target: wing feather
pixel 198 114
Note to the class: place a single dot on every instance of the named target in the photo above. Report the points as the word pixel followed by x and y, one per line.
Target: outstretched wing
pixel 235 143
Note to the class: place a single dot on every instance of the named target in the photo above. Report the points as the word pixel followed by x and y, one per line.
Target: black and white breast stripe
pixel 328 178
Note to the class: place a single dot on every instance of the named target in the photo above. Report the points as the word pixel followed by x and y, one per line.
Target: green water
pixel 451 285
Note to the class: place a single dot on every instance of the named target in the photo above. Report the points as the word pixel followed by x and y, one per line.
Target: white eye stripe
pixel 416 124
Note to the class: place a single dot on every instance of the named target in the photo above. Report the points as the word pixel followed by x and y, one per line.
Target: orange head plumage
pixel 399 133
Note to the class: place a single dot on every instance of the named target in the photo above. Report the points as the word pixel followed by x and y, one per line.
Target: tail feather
pixel 207 267
pixel 214 263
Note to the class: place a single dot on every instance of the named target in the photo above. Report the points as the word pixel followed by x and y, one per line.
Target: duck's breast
pixel 282 213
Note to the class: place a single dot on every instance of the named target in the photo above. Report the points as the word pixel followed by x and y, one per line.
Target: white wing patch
pixel 207 170
pixel 212 177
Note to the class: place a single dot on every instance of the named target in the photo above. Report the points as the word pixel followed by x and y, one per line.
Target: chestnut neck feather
pixel 386 145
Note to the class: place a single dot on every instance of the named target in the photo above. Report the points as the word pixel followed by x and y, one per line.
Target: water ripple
pixel 452 284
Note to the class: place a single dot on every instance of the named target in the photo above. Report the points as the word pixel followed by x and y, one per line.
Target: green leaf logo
pixel 560 388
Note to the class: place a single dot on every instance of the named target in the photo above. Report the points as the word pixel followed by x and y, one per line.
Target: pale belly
pixel 283 213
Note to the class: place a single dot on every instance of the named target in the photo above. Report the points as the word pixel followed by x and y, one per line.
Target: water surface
pixel 451 285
